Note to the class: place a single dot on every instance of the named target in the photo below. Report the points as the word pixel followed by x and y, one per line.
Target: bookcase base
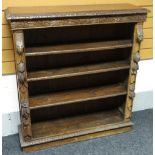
pixel 43 144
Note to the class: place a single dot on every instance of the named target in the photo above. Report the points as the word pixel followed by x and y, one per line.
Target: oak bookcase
pixel 76 68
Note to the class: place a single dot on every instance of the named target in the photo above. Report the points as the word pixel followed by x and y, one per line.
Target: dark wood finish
pixel 76 59
pixel 77 82
pixel 25 18
pixel 28 13
pixel 22 85
pixel 82 47
pixel 77 125
pixel 78 108
pixel 44 145
pixel 76 22
pixel 76 96
pixel 76 70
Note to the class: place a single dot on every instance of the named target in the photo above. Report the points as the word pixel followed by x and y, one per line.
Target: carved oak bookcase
pixel 76 68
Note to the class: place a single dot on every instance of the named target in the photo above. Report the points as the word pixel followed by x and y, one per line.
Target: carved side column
pixel 21 73
pixel 135 58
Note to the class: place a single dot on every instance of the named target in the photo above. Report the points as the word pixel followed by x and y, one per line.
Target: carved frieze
pixel 26 24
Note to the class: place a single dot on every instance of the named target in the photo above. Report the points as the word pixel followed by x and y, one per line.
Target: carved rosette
pixel 138 37
pixel 22 84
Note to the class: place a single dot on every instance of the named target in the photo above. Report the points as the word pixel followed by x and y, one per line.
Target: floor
pixel 136 142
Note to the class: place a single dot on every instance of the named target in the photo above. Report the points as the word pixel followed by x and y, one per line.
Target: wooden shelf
pixel 75 96
pixel 77 70
pixel 78 125
pixel 78 47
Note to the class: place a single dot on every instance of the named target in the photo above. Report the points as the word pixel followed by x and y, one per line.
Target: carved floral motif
pixel 22 85
pixel 25 112
pixel 134 68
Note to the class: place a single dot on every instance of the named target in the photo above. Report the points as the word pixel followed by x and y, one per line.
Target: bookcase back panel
pixel 68 110
pixel 49 86
pixel 46 62
pixel 65 35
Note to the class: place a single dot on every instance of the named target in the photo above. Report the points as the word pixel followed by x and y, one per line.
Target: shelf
pixel 78 47
pixel 78 125
pixel 76 96
pixel 77 70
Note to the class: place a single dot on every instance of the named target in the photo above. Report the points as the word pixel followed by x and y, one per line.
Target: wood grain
pixel 8 67
pixel 147 43
pixel 135 58
pixel 146 53
pixel 77 70
pixel 17 3
pixel 62 101
pixel 77 125
pixel 4 21
pixel 7 56
pixel 6 31
pixel 148 33
pixel 148 23
pixel 22 86
pixel 75 139
pixel 56 12
pixel 150 14
pixel 74 96
pixel 7 43
pixel 78 47
pixel 150 9
pixel 8 59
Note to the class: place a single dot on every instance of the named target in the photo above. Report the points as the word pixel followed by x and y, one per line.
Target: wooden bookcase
pixel 76 68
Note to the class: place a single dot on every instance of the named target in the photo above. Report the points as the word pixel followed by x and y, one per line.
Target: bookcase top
pixel 72 11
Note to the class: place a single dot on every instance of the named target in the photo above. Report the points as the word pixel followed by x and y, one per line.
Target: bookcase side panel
pixel 21 74
pixel 135 58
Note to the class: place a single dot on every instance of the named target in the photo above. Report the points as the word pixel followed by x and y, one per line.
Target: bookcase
pixel 76 69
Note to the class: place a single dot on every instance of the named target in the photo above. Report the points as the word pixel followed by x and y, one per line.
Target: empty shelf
pixel 78 47
pixel 77 70
pixel 75 96
pixel 78 125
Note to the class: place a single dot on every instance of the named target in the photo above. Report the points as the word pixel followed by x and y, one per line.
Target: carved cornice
pixel 73 11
